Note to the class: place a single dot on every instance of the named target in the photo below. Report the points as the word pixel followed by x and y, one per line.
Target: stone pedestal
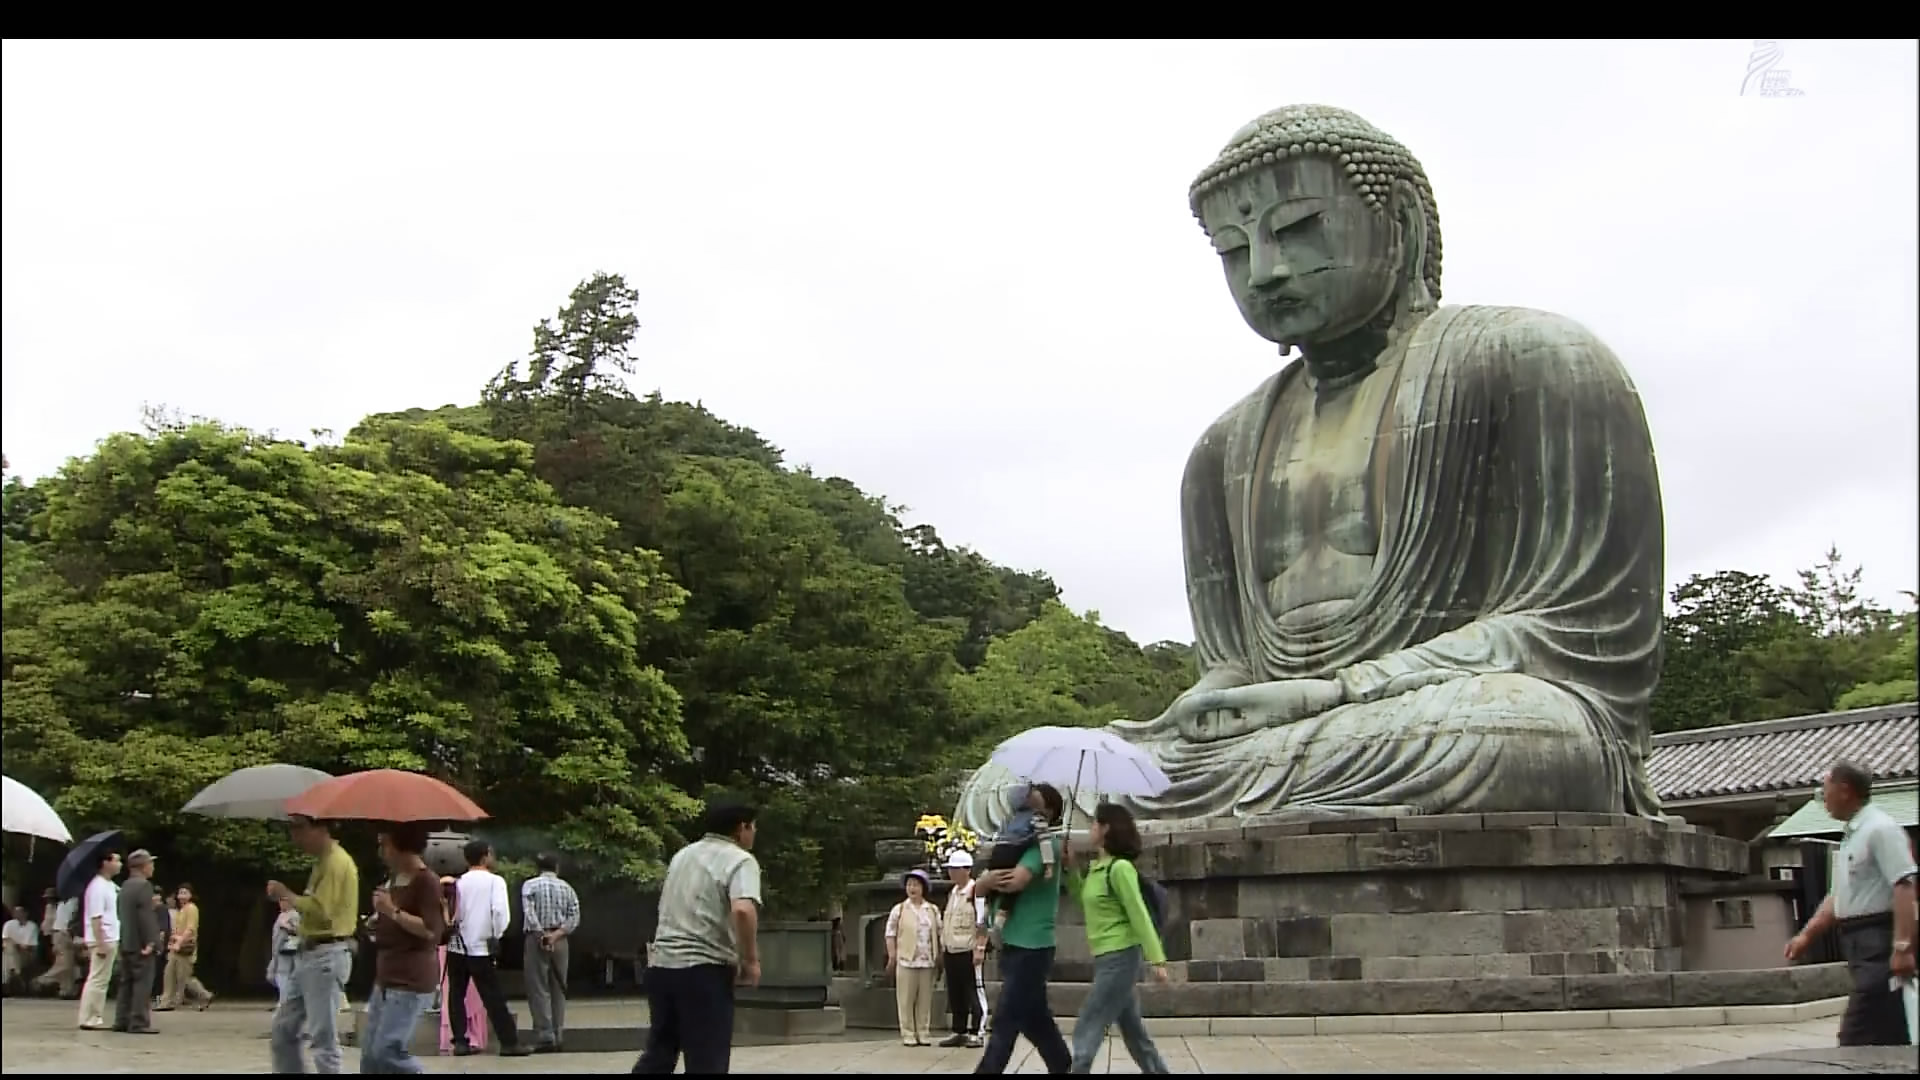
pixel 1494 913
pixel 1437 897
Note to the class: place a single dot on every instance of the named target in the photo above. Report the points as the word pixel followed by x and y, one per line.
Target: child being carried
pixel 1028 826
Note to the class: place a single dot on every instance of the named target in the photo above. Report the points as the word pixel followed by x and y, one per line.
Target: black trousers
pixel 963 997
pixel 1023 1010
pixel 133 1006
pixel 690 1012
pixel 1875 1015
pixel 479 970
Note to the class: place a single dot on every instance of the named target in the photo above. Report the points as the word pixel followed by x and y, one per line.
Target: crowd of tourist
pixel 434 943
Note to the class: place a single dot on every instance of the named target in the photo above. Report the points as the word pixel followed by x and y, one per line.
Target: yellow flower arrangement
pixel 942 839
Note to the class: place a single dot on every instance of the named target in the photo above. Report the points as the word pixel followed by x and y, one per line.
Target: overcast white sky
pixel 963 275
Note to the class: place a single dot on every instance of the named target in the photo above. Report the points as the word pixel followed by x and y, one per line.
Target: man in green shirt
pixel 329 915
pixel 1026 958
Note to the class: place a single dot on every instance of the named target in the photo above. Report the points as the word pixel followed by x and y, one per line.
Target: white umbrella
pixel 1066 756
pixel 26 812
pixel 259 792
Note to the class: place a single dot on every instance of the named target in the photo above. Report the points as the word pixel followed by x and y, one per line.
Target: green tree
pixel 1838 638
pixel 206 598
pixel 1740 648
pixel 806 676
pixel 19 502
pixel 1705 676
pixel 814 652
pixel 1893 676
pixel 576 353
pixel 1064 670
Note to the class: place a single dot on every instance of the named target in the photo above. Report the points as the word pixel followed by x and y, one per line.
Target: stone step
pixel 873 1006
pixel 1692 1016
pixel 1348 968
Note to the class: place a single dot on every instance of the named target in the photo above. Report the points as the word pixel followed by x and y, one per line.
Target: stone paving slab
pixel 1871 1060
pixel 38 1036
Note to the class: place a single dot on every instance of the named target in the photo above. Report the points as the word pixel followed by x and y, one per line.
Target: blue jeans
pixel 1023 1010
pixel 319 978
pixel 1112 1000
pixel 387 1041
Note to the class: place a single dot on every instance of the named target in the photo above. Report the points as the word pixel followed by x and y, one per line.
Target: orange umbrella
pixel 384 795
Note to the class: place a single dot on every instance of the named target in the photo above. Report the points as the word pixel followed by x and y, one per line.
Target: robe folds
pixel 1504 651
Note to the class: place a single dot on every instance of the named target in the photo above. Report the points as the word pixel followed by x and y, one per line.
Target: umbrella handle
pixel 1074 800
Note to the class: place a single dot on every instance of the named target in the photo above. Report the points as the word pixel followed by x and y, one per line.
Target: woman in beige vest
pixel 913 929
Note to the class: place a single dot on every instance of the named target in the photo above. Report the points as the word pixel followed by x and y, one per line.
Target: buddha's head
pixel 1323 223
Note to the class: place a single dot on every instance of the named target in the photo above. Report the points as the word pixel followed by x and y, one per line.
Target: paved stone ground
pixel 38 1036
pixel 1869 1060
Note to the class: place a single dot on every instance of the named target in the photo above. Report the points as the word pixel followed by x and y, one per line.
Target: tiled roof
pixel 1784 755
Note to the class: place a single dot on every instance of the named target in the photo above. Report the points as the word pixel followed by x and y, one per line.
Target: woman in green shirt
pixel 1120 935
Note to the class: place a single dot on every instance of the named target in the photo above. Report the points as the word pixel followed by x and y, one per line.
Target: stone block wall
pixel 1459 896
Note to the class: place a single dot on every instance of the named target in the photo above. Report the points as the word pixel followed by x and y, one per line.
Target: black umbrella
pixel 83 862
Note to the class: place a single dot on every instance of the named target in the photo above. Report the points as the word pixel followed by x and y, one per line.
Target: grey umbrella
pixel 259 792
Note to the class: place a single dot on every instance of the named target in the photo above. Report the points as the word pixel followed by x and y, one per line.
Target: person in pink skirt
pixel 476 1012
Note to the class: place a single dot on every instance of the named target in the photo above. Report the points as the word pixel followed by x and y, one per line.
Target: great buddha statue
pixel 1424 560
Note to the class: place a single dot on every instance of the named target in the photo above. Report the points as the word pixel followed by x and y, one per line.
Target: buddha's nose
pixel 1269 271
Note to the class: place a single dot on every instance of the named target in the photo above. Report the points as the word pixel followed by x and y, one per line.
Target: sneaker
pixel 954 1040
pixel 462 1050
pixel 515 1050
pixel 976 1041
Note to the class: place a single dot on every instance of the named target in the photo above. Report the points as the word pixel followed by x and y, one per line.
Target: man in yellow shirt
pixel 329 915
pixel 178 981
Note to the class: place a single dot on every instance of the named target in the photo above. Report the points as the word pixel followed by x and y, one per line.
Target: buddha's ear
pixel 1410 229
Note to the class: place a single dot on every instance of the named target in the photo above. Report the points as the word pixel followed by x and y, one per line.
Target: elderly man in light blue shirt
pixel 1871 902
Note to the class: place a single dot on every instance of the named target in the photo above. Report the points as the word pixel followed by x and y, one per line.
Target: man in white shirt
pixel 64 973
pixel 480 921
pixel 100 932
pixel 1872 904
pixel 22 940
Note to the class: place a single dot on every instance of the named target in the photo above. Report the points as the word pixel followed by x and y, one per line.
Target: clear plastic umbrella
pixel 1067 757
pixel 259 792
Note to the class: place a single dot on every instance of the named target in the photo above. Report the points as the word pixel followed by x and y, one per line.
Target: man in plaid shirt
pixel 550 911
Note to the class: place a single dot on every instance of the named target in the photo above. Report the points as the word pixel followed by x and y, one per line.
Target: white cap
pixel 961 860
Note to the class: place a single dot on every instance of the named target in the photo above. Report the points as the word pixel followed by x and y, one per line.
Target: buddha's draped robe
pixel 1504 651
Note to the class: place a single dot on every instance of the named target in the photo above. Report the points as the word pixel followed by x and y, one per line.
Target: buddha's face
pixel 1307 259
